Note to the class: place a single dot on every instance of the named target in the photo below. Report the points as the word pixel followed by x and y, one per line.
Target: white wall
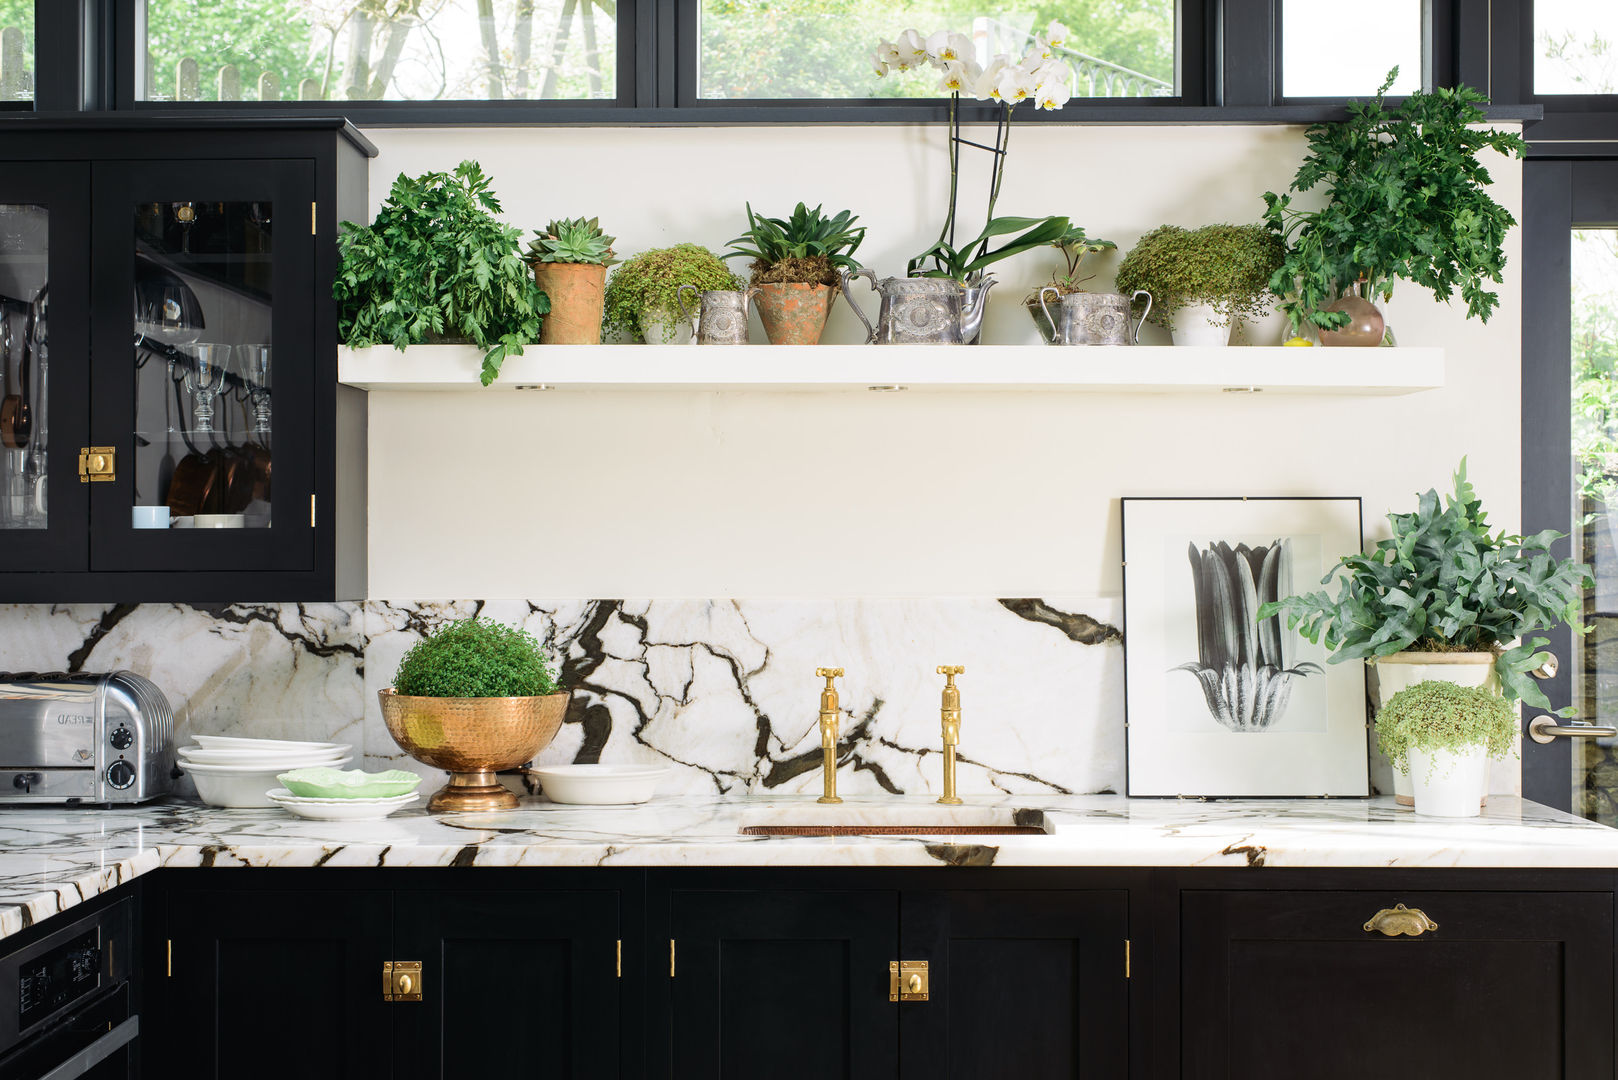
pixel 704 495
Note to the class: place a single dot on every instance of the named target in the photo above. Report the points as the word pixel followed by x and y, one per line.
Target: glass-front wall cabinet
pixel 25 232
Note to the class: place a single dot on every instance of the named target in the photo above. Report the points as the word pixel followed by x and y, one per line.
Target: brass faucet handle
pixel 946 669
pixel 828 673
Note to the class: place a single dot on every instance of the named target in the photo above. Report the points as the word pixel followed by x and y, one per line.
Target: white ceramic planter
pixel 659 329
pixel 1446 782
pixel 1391 674
pixel 1269 329
pixel 1200 324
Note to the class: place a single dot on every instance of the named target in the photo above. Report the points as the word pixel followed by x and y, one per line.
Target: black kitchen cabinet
pixel 1510 986
pixel 171 427
pixel 1024 983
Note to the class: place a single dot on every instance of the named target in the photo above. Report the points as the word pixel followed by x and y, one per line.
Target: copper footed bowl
pixel 473 739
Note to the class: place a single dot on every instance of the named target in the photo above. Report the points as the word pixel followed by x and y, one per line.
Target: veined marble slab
pixel 54 859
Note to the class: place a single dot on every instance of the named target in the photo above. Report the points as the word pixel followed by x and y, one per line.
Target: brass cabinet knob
pixel 406 984
pixel 913 984
pixel 1398 919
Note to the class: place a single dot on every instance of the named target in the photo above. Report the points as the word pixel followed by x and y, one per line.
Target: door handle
pixel 1545 729
pixel 82 1062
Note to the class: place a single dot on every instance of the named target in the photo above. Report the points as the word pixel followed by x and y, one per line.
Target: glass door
pixel 44 244
pixel 203 380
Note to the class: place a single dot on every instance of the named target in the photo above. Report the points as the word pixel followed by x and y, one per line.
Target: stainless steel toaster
pixel 84 738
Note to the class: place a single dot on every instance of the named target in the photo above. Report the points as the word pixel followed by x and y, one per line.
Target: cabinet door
pixel 513 984
pixel 1026 984
pixel 44 340
pixel 203 369
pixel 273 984
pixel 790 985
pixel 1510 986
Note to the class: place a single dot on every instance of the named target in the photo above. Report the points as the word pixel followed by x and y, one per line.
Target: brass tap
pixel 830 713
pixel 950 714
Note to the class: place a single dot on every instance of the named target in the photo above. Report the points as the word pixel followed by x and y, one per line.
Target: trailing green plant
pixel 476 658
pixel 649 284
pixel 1444 583
pixel 962 263
pixel 1437 715
pixel 1075 247
pixel 808 247
pixel 1406 198
pixel 572 240
pixel 436 264
pixel 1227 267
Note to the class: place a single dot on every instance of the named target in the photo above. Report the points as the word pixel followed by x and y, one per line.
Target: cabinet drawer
pixel 1285 984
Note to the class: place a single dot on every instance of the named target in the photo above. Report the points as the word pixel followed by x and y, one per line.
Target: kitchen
pixel 1140 880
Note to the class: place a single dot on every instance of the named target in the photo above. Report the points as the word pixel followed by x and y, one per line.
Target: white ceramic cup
pixel 150 517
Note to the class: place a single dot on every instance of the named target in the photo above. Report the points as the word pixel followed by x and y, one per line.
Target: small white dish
pixel 269 765
pixel 599 785
pixel 237 742
pixel 339 809
pixel 220 521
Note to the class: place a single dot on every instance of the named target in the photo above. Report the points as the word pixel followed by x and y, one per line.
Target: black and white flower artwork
pixel 1242 660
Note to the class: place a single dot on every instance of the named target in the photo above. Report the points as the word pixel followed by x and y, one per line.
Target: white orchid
pixel 912 49
pixel 1015 85
pixel 1056 35
pixel 947 45
pixel 1037 52
pixel 887 55
pixel 958 78
pixel 1052 94
pixel 986 86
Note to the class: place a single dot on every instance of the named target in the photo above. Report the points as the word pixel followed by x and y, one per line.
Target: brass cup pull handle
pixel 1398 919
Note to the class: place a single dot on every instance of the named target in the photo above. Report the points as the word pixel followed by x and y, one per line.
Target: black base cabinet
pixel 1031 974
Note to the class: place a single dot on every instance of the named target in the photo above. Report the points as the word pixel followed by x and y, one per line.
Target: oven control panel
pixel 53 979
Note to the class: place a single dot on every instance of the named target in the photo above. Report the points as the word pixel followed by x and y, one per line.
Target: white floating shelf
pixel 1156 369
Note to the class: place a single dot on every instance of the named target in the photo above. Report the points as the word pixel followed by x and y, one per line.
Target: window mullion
pixel 1248 53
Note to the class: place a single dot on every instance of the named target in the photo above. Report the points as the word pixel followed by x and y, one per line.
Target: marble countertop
pixel 54 858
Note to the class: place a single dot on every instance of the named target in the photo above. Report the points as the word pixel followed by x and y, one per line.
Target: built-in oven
pixel 66 1005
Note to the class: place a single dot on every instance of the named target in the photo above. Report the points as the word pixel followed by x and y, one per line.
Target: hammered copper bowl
pixel 473 739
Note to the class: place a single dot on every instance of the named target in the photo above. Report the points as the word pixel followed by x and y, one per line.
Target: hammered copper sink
pixel 473 739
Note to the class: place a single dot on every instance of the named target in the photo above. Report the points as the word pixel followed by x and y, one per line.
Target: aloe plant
pixel 1241 659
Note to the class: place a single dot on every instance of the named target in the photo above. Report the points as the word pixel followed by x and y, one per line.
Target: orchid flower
pixel 887 56
pixel 912 49
pixel 1052 94
pixel 947 45
pixel 1014 85
pixel 986 87
pixel 1056 35
pixel 957 78
pixel 1038 51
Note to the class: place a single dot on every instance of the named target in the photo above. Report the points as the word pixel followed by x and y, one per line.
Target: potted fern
pixel 1075 247
pixel 570 259
pixel 795 268
pixel 1441 737
pixel 642 295
pixel 437 266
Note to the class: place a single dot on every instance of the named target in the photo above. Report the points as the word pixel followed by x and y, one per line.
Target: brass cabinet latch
pixel 907 980
pixel 97 464
pixel 401 980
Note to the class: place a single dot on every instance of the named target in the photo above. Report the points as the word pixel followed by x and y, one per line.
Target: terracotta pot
pixel 795 313
pixel 1365 325
pixel 576 291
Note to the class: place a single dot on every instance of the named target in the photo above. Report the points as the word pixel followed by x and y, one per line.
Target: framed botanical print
pixel 1220 702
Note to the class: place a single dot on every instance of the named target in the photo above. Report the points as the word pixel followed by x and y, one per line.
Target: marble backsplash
pixel 722 691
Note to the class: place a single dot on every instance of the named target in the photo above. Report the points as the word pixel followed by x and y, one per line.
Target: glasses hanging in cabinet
pixel 203 365
pixel 24 366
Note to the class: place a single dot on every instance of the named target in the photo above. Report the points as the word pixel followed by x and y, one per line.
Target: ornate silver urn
pixel 921 311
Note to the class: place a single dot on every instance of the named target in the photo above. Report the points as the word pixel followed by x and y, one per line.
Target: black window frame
pixel 1227 56
pixel 1437 62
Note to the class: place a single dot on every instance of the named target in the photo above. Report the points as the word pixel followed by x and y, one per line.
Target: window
pixel 16 52
pixel 339 50
pixel 1575 47
pixel 822 49
pixel 1346 50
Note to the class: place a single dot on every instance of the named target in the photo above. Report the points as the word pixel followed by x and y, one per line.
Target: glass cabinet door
pixel 43 339
pixel 208 405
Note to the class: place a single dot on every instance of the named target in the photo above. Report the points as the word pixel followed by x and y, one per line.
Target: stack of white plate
pixel 341 809
pixel 236 772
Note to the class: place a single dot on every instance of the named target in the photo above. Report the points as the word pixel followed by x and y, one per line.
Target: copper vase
pixel 577 292
pixel 1365 324
pixel 473 739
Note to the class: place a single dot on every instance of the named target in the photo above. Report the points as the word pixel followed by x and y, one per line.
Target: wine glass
pixel 205 373
pixel 255 369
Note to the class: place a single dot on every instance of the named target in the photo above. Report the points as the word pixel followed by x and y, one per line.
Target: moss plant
pixel 1225 266
pixel 1436 715
pixel 648 284
pixel 476 658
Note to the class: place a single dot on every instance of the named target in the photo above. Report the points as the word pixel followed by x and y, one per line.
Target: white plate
pixel 254 757
pixel 237 742
pixel 268 767
pixel 599 785
pixel 339 809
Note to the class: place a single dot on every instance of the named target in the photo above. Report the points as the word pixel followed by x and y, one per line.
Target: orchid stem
pixel 948 233
pixel 1002 142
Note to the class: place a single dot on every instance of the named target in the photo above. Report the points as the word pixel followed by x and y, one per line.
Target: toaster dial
pixel 122 738
pixel 120 774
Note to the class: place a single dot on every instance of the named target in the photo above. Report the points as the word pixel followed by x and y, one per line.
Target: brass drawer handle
pixel 1398 919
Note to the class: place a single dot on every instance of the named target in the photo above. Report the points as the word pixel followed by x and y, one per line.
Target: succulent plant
pixel 807 247
pixel 573 240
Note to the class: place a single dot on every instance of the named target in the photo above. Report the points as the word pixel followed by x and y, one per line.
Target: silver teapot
pixel 1086 318
pixel 921 311
pixel 721 314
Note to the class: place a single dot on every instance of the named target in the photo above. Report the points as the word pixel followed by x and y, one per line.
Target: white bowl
pixel 339 809
pixel 291 758
pixel 233 786
pixel 237 742
pixel 599 785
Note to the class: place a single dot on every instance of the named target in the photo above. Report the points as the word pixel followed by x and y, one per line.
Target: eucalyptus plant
pixel 437 263
pixel 1406 198
pixel 1438 715
pixel 1444 583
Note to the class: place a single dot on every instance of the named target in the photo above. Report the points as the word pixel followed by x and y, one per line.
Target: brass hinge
pixel 401 980
pixel 97 464
pixel 620 958
pixel 671 958
pixel 314 219
pixel 1126 958
pixel 907 980
pixel 170 965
